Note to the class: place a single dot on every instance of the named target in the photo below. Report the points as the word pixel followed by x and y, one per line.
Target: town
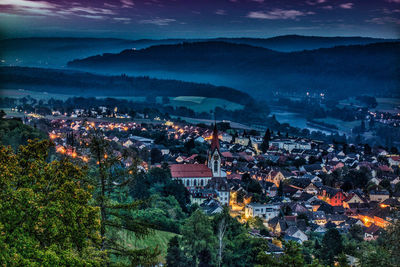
pixel 285 186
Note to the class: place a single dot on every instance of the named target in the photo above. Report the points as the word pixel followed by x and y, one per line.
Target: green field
pixel 195 103
pixel 157 238
pixel 203 104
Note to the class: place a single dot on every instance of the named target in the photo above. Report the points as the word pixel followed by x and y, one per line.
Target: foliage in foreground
pixel 45 215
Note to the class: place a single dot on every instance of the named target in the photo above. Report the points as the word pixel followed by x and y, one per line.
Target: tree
pixel 205 258
pixel 156 156
pixel 356 232
pixel 45 215
pixel 2 114
pixel 175 256
pixel 112 178
pixel 197 236
pixel 220 236
pixel 265 144
pixel 332 245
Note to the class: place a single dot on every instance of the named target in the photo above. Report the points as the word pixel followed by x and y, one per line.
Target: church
pixel 199 177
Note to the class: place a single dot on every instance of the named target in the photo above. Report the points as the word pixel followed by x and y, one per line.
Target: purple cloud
pixel 347 5
pixel 278 14
pixel 127 3
pixel 384 20
pixel 220 12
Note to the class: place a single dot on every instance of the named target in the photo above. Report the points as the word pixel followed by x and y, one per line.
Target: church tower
pixel 214 154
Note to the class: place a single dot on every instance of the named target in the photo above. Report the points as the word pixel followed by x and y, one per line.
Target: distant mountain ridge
pixel 56 52
pixel 371 68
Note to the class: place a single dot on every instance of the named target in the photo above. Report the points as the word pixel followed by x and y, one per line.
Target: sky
pixel 158 19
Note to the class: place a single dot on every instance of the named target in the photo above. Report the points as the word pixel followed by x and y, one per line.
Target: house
pixel 226 138
pixel 295 232
pixel 220 185
pixel 372 232
pixel 319 218
pixel 331 195
pixel 241 140
pixel 200 195
pixel 353 198
pixel 211 206
pixel 394 161
pixel 264 211
pixel 378 196
pixel 276 177
pixel 127 143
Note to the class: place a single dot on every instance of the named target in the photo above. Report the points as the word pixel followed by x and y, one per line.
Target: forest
pixel 259 71
pixel 89 84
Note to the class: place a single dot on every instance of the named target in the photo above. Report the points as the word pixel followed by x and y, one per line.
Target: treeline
pixel 88 84
pixel 338 71
pixel 14 133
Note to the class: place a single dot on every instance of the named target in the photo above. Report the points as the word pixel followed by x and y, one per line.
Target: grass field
pixel 158 238
pixel 203 104
pixel 196 103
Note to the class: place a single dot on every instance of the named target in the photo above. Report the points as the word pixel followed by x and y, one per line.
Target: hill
pixel 358 69
pixel 291 43
pixel 88 84
pixel 56 52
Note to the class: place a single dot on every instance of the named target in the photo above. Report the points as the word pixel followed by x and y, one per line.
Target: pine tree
pixel 265 143
pixel 112 179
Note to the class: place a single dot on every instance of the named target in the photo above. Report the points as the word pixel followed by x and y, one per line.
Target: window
pixel 215 166
pixel 201 182
pixel 188 182
pixel 195 182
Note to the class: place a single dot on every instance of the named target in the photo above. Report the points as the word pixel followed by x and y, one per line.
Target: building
pixel 197 177
pixel 192 176
pixel 214 155
pixel 264 211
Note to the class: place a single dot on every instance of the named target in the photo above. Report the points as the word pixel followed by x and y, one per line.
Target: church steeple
pixel 215 140
pixel 214 154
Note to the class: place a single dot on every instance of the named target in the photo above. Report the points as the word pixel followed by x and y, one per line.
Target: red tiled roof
pixel 190 171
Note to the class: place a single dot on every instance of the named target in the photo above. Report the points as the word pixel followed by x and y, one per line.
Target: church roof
pixel 215 140
pixel 190 171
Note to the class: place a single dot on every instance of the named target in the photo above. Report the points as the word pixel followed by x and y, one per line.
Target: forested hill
pixel 57 51
pixel 365 69
pixel 88 84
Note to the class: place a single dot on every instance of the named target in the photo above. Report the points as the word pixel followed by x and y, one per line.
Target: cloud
pixel 31 7
pixel 347 5
pixel 394 1
pixel 278 14
pixel 127 3
pixel 258 1
pixel 384 20
pixel 92 16
pixel 91 10
pixel 327 7
pixel 315 2
pixel 220 12
pixel 157 21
